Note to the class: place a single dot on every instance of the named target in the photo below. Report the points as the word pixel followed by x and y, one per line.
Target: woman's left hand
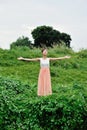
pixel 67 57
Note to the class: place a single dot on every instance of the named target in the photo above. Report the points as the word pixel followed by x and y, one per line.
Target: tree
pixel 66 39
pixel 21 41
pixel 45 36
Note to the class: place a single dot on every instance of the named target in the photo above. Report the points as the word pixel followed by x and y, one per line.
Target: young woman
pixel 44 79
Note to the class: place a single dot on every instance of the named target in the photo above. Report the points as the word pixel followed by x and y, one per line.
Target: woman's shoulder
pixel 38 59
pixel 48 58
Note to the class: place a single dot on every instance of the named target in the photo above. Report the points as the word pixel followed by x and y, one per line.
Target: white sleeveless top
pixel 44 62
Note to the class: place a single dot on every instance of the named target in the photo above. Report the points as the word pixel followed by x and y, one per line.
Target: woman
pixel 44 79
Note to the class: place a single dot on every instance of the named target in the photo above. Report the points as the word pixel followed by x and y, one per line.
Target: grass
pixel 21 108
pixel 64 71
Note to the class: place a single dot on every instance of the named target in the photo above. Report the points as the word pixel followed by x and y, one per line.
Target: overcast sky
pixel 19 17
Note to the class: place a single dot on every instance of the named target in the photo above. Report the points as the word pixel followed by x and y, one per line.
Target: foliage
pixel 82 53
pixel 21 109
pixel 66 38
pixel 47 36
pixel 21 41
pixel 62 71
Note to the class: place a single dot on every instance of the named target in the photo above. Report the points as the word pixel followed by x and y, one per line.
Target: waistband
pixel 43 65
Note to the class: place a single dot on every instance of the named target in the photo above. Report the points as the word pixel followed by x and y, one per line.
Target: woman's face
pixel 45 52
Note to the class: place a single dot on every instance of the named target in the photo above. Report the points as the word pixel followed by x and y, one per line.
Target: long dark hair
pixel 43 49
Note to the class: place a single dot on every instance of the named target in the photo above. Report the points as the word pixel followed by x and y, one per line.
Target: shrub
pixel 22 109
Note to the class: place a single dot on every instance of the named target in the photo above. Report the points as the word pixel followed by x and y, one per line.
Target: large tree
pixel 21 41
pixel 47 36
pixel 66 39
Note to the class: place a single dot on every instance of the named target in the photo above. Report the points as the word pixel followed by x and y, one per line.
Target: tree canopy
pixel 47 36
pixel 66 38
pixel 21 41
pixel 44 36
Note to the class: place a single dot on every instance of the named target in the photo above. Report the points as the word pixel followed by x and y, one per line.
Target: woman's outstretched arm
pixel 27 59
pixel 60 58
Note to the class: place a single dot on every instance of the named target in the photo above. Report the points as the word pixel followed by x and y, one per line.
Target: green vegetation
pixel 21 41
pixel 47 36
pixel 22 109
pixel 43 36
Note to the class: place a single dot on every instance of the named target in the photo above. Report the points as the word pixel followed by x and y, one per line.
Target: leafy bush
pixel 21 41
pixel 22 109
pixel 82 53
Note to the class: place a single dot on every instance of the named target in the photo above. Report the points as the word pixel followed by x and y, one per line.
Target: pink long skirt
pixel 44 82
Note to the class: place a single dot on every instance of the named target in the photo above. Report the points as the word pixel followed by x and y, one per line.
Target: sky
pixel 19 17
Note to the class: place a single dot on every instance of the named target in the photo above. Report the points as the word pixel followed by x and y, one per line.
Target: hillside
pixel 66 71
pixel 22 109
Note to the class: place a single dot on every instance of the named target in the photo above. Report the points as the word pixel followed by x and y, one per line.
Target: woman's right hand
pixel 20 58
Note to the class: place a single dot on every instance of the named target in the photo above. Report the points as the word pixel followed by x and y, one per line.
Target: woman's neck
pixel 44 57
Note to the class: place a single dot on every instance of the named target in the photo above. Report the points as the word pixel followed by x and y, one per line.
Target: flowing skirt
pixel 44 82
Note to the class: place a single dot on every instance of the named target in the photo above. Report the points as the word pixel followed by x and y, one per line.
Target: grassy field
pixel 22 109
pixel 66 71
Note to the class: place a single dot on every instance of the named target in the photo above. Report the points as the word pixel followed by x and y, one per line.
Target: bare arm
pixel 27 59
pixel 60 58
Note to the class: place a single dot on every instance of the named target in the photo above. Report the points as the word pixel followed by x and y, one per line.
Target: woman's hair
pixel 43 49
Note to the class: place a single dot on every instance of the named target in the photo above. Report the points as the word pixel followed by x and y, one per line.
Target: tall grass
pixel 22 109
